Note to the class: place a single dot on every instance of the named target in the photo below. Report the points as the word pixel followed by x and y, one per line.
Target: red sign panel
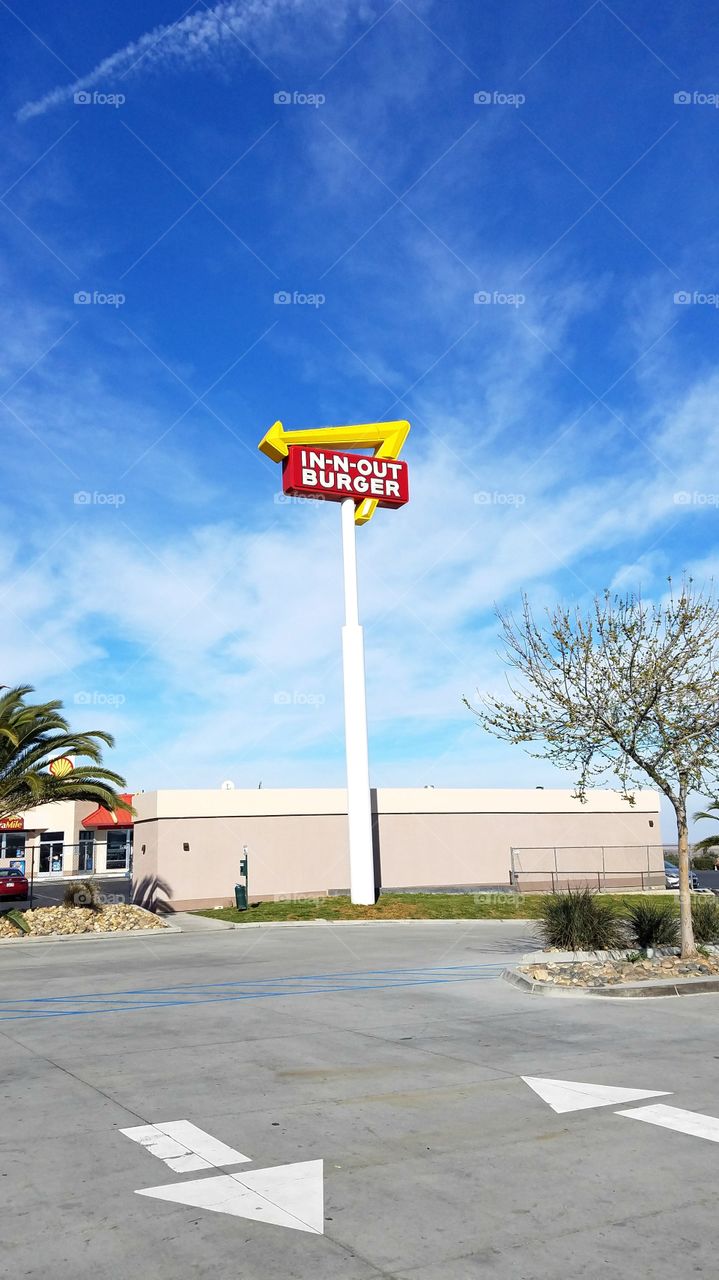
pixel 334 475
pixel 12 824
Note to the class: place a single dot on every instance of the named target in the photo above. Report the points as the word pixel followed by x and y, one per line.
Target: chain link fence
pixel 556 868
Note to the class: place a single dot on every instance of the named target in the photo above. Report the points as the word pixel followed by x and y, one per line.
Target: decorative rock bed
pixel 60 921
pixel 602 973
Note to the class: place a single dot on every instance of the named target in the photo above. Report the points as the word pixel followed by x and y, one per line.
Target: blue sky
pixel 563 431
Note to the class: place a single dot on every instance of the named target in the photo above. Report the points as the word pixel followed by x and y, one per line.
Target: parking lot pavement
pixel 394 1055
pixel 708 880
pixel 49 893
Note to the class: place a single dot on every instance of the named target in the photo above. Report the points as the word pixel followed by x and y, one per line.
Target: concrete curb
pixel 24 939
pixel 311 924
pixel 224 926
pixel 626 990
pixel 600 957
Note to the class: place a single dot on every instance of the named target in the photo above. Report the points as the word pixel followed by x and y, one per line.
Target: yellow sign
pixel 385 438
pixel 61 767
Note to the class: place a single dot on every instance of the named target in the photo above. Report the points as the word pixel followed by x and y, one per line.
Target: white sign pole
pixel 359 808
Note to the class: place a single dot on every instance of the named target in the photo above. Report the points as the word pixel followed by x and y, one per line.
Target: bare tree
pixel 623 690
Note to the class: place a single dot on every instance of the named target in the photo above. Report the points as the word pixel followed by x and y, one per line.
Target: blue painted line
pixel 465 969
pixel 32 1014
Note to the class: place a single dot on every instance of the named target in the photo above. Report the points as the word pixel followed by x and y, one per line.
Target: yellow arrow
pixel 386 438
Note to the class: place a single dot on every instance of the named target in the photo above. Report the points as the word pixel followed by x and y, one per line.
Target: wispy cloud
pixel 200 35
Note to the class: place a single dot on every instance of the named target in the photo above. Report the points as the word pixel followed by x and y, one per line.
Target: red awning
pixel 103 818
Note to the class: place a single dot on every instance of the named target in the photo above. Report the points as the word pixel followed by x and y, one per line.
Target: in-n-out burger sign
pixel 334 475
pixel 316 464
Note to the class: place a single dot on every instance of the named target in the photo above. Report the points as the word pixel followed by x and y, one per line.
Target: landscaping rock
pixel 61 921
pixel 610 973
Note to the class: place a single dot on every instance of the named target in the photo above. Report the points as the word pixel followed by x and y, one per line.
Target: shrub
pixel 653 924
pixel 18 919
pixel 705 918
pixel 580 921
pixel 82 893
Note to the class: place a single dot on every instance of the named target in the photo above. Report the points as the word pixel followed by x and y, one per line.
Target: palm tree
pixel 709 843
pixel 31 737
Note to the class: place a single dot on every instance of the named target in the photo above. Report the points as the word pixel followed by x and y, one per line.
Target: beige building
pixel 188 843
pixel 69 837
pixel 425 838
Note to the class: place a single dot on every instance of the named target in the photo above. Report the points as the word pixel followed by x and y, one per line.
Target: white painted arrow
pixel 691 1122
pixel 290 1195
pixel 183 1147
pixel 571 1095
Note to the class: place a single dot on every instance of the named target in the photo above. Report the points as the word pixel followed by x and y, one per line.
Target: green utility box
pixel 242 891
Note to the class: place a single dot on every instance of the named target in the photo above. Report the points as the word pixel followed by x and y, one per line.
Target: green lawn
pixel 402 906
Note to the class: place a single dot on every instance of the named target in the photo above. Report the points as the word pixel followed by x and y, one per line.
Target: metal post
pixel 359 808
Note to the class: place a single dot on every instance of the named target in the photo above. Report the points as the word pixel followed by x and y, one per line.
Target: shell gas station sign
pixel 323 463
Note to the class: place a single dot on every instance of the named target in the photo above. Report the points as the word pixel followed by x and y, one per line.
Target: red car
pixel 13 884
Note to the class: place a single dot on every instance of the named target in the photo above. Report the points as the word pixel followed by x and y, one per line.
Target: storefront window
pixel 12 849
pixel 118 850
pixel 86 851
pixel 51 848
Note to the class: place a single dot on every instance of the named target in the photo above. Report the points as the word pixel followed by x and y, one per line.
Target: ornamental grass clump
pixel 580 921
pixel 705 918
pixel 82 893
pixel 653 924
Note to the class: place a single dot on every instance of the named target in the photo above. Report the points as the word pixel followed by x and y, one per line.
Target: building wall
pixel 427 838
pixel 62 816
pixel 66 817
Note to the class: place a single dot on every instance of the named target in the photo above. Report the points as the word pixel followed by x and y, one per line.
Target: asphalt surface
pixel 394 1054
pixel 708 880
pixel 49 893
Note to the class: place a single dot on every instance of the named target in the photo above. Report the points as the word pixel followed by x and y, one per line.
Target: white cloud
pixel 206 626
pixel 230 27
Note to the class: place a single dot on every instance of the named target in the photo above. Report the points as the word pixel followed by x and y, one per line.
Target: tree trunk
pixel 685 897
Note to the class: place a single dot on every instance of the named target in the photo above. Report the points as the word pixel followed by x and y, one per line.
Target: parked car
pixel 671 877
pixel 13 884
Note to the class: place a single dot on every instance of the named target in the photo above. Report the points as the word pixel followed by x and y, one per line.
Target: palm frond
pixel 31 737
